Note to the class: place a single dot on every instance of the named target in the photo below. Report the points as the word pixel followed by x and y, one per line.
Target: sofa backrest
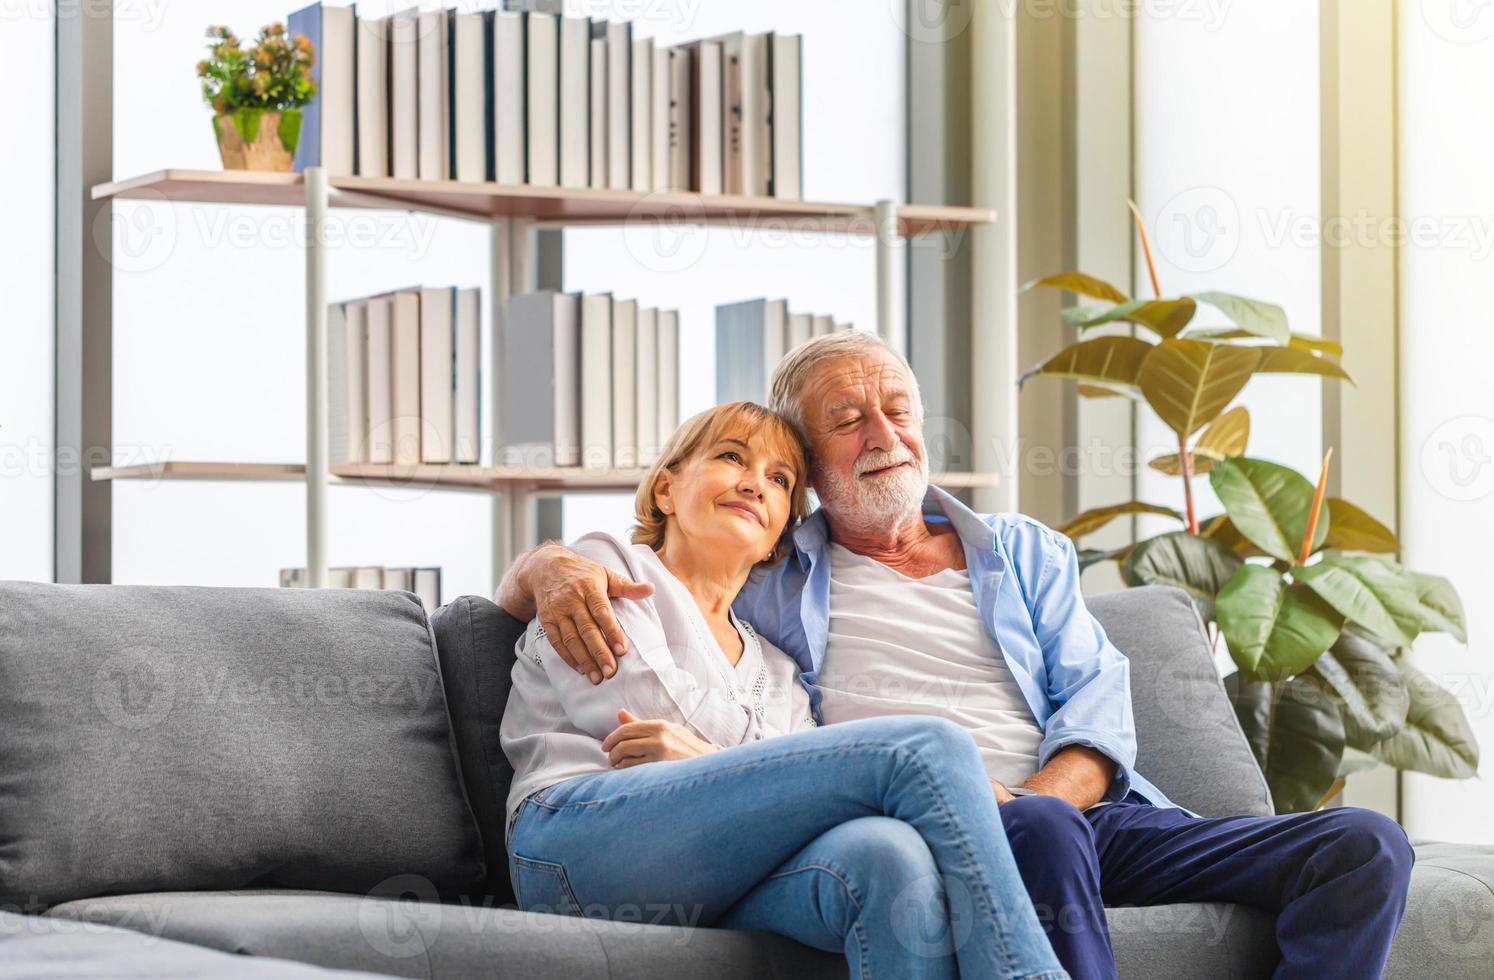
pixel 1187 739
pixel 174 739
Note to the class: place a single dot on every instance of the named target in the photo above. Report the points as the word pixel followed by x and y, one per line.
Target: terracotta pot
pixel 258 139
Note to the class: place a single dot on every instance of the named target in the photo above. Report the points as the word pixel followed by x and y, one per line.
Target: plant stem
pixel 1146 250
pixel 1187 460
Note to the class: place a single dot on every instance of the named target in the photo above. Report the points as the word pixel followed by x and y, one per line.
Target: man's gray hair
pixel 801 362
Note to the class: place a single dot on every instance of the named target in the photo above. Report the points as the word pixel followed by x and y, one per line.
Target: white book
pixel 596 381
pixel 368 577
pixel 509 138
pixel 427 586
pixel 751 338
pixel 404 96
pixel 598 113
pixel 619 102
pixel 787 116
pixel 669 374
pixel 823 325
pixel 468 362
pixel 437 383
pixel 432 57
pixel 801 329
pixel 659 120
pixel 293 578
pixel 328 125
pixel 679 118
pixel 404 333
pixel 540 385
pixel 542 78
pixel 748 155
pixel 775 341
pixel 347 369
pixel 646 387
pixel 379 385
pixel 642 114
pixel 373 97
pixel 706 155
pixel 575 98
pixel 625 383
pixel 340 578
pixel 399 579
pixel 469 97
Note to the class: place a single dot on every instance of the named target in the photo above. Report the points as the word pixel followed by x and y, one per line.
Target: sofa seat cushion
pixel 407 938
pixel 1448 930
pixel 35 946
pixel 194 738
pixel 1192 940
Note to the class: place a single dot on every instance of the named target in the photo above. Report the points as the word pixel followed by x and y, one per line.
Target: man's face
pixel 866 439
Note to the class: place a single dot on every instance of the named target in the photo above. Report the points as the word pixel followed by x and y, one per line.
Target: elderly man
pixel 898 599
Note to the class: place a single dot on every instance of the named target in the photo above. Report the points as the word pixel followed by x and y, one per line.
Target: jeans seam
pixel 548 867
pixel 832 872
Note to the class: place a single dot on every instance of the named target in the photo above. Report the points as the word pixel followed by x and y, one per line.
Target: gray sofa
pixel 316 776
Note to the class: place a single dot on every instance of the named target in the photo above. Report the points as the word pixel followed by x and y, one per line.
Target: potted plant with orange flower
pixel 257 95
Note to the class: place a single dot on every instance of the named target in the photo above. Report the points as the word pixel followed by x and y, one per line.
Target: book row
pixel 752 337
pixel 403 377
pixel 425 583
pixel 525 95
pixel 586 380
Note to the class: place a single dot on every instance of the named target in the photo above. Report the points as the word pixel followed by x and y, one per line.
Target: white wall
pixel 1227 173
pixel 208 322
pixel 853 152
pixel 1447 349
pixel 27 249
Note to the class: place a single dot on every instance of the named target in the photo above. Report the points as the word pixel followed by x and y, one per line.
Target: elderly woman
pixel 695 788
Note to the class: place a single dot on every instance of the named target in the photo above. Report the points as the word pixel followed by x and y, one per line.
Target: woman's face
pixel 734 496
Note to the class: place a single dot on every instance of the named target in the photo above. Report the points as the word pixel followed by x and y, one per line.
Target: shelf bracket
pixel 890 272
pixel 316 377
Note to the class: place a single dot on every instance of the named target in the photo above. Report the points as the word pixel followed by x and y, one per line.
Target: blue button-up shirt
pixel 1025 577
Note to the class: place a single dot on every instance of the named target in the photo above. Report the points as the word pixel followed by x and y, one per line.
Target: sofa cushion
pixel 1448 929
pixel 475 640
pixel 1187 739
pixel 1191 940
pixel 33 946
pixel 409 938
pixel 184 738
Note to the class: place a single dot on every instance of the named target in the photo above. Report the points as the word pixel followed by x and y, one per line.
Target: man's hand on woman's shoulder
pixel 570 596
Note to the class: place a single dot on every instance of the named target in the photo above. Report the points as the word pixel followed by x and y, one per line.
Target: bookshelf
pixel 510 212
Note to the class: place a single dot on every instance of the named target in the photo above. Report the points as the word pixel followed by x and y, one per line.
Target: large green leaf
pixel 1274 629
pixel 1297 341
pixel 1269 504
pixel 1106 360
pixel 1172 463
pixel 1095 518
pixel 1441 609
pixel 1081 283
pixel 1352 529
pixel 1226 436
pixel 1223 530
pixel 1369 592
pixel 1290 360
pixel 1094 556
pixel 1197 565
pixel 1437 738
pixel 1296 733
pixel 1164 317
pixel 1371 692
pixel 1189 382
pixel 1253 316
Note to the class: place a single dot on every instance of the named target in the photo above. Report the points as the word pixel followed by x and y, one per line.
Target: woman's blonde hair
pixel 734 419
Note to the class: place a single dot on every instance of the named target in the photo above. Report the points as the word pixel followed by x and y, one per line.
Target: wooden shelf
pixel 439 477
pixel 549 204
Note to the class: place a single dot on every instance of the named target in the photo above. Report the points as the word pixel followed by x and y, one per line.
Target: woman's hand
pixel 634 742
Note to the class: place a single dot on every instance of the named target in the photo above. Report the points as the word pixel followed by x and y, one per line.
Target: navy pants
pixel 1336 880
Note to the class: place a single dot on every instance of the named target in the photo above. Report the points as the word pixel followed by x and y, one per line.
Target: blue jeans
pixel 1336 880
pixel 880 839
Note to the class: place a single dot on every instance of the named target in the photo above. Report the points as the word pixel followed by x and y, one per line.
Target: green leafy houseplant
pixel 1314 613
pixel 257 94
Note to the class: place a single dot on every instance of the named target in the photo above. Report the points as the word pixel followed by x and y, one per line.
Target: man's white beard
pixel 886 502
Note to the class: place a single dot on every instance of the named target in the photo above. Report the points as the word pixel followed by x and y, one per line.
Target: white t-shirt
pixel 674 670
pixel 900 646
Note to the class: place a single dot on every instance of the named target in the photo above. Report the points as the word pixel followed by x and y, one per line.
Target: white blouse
pixel 674 670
